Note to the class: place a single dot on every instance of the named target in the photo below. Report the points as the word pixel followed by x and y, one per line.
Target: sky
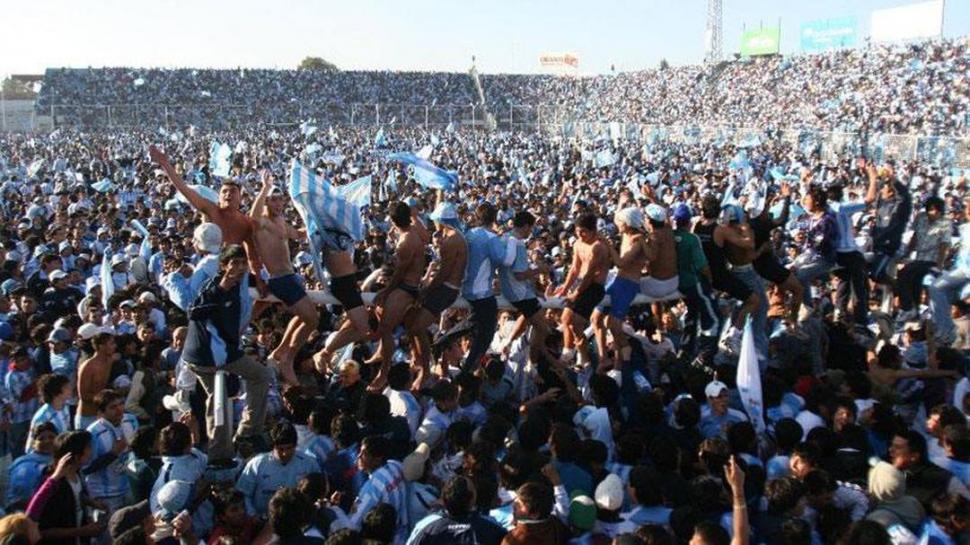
pixel 503 35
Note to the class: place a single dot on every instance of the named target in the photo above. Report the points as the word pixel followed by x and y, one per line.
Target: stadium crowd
pixel 919 88
pixel 559 349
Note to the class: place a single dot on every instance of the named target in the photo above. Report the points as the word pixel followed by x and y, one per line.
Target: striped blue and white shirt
pixel 17 382
pixel 385 485
pixel 265 474
pixel 187 467
pixel 512 288
pixel 843 212
pixel 46 413
pixel 486 251
pixel 109 481
pixel 25 476
pixel 320 447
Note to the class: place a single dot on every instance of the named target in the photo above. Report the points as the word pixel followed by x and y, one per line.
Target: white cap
pixel 147 297
pixel 89 331
pixel 715 388
pixel 609 493
pixel 656 212
pixel 58 275
pixel 208 237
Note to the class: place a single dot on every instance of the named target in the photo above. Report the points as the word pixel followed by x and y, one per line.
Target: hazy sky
pixel 505 35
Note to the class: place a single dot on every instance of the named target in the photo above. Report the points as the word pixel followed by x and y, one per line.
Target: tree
pixel 14 89
pixel 664 64
pixel 317 63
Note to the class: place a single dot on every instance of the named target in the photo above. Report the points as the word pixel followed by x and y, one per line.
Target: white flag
pixel 749 380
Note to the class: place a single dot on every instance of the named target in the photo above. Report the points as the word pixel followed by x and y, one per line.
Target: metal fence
pixel 552 119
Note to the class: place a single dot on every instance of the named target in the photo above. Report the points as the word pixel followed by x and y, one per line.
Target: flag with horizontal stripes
pixel 324 211
pixel 425 173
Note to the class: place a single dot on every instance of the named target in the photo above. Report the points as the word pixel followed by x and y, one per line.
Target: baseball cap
pixel 89 331
pixel 117 259
pixel 59 335
pixel 173 498
pixel 415 462
pixel 9 285
pixel 58 275
pixel 129 517
pixel 656 212
pixel 715 388
pixel 147 297
pixel 582 512
pixel 682 212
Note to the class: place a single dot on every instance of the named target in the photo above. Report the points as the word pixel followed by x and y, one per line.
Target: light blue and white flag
pixel 390 183
pixel 107 282
pixel 604 158
pixel 749 380
pixel 324 211
pixel 306 129
pixel 220 159
pixel 450 127
pixel 380 140
pixel 435 141
pixel 334 158
pixel 204 191
pixel 357 191
pixel 426 174
pixel 425 152
pixel 103 186
pixel 145 250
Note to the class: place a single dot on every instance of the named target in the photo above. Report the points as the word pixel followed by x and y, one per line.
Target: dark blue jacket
pixel 222 310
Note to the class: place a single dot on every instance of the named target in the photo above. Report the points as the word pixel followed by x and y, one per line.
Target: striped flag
pixel 425 173
pixel 220 159
pixel 323 210
pixel 357 191
pixel 749 380
pixel 145 250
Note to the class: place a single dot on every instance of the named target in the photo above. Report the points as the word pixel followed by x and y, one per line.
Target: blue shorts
pixel 622 291
pixel 287 288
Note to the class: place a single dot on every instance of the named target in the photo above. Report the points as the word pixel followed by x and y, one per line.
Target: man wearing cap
pixel 694 282
pixel 442 290
pixel 271 239
pixel 60 299
pixel 460 523
pixel 661 256
pixel 281 467
pixel 716 416
pixel 184 284
pixel 39 281
pixel 92 378
pixel 630 262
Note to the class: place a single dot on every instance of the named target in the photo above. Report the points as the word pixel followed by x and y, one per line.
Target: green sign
pixel 762 41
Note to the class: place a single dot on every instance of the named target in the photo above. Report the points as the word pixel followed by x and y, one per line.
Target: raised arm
pixel 197 201
pixel 873 192
pixel 259 205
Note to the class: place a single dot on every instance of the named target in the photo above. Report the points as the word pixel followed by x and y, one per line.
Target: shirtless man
pixel 737 239
pixel 237 228
pixel 403 288
pixel 272 238
pixel 591 260
pixel 623 289
pixel 92 377
pixel 661 279
pixel 442 289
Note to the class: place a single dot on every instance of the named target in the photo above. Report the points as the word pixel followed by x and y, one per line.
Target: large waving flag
pixel 357 191
pixel 604 158
pixel 425 173
pixel 380 140
pixel 325 211
pixel 749 380
pixel 220 159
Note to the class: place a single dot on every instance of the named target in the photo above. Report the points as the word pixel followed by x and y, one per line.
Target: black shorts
pixel 287 288
pixel 730 285
pixel 439 298
pixel 345 290
pixel 528 307
pixel 413 291
pixel 768 267
pixel 587 300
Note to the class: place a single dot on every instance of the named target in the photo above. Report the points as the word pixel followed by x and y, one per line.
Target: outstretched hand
pixel 157 155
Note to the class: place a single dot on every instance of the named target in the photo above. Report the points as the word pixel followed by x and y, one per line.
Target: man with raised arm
pixel 272 238
pixel 734 235
pixel 402 289
pixel 442 290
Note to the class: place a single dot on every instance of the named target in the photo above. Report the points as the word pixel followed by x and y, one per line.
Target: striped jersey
pixel 187 467
pixel 23 395
pixel 320 447
pixel 512 288
pixel 46 413
pixel 385 485
pixel 109 480
pixel 486 251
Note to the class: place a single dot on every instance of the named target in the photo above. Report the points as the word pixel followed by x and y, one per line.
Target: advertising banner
pixel 910 22
pixel 828 34
pixel 762 41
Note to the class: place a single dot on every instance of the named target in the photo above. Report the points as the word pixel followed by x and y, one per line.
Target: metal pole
pixel 539 118
pixel 3 104
pixel 511 126
pixel 426 111
pixel 473 116
pixel 53 123
pixel 166 118
pixel 377 108
pixel 352 111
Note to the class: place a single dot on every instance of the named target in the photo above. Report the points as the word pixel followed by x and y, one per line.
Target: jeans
pixel 759 319
pixel 701 317
pixel 810 271
pixel 852 278
pixel 257 377
pixel 484 319
pixel 909 285
pixel 943 291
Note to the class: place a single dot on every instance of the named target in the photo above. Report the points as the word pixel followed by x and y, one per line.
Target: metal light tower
pixel 712 34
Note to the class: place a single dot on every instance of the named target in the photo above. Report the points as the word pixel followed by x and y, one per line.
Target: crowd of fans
pixel 148 399
pixel 900 89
